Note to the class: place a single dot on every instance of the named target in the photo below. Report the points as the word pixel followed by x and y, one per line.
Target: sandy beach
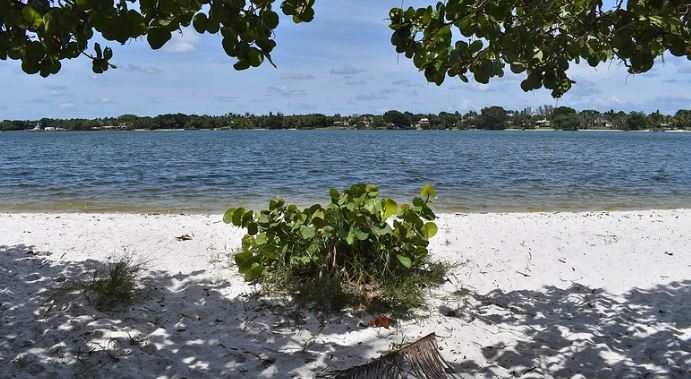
pixel 534 295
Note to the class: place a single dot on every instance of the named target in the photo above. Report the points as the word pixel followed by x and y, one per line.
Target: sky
pixel 342 62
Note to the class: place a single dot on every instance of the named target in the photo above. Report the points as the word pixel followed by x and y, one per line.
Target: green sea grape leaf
pixel 254 272
pixel 428 192
pixel 382 231
pixel 270 19
pixel 276 202
pixel 251 228
pixel 404 261
pixel 429 230
pixel 228 216
pixel 390 208
pixel 360 234
pixel 237 216
pixel 199 22
pixel 307 232
pixel 261 239
pixel 32 17
pixel 158 37
pixel 350 237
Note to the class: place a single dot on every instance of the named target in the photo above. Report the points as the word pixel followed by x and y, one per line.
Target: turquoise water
pixel 201 171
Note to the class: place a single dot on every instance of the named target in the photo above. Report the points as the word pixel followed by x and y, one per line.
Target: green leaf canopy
pixel 453 38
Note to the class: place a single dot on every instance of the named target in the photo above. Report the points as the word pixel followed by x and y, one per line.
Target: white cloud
pixel 182 42
pixel 284 91
pixel 297 76
pixel 475 86
pixel 56 90
pixel 346 71
pixel 144 69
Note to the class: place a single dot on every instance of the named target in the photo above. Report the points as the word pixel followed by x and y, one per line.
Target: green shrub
pixel 359 249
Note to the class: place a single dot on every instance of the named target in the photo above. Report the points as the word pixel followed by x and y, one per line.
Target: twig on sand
pixel 108 348
pixel 264 358
pixel 184 237
pixel 529 369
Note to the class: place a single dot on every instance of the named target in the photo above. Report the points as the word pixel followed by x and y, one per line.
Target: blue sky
pixel 342 62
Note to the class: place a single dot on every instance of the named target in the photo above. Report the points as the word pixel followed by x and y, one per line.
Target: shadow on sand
pixel 189 326
pixel 183 326
pixel 580 332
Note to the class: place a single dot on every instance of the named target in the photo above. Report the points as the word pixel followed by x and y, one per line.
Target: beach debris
pixel 448 312
pixel 148 347
pixel 265 361
pixel 135 340
pixel 420 359
pixel 184 237
pixel 526 371
pixel 523 273
pixel 381 321
pixel 180 326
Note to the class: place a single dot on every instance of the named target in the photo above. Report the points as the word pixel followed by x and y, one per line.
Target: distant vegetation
pixel 358 249
pixel 492 118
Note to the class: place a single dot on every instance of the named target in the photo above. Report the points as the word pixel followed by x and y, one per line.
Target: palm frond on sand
pixel 420 359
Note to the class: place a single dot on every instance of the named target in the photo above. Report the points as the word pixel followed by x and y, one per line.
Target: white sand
pixel 566 295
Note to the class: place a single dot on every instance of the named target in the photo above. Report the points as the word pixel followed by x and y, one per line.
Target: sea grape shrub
pixel 359 240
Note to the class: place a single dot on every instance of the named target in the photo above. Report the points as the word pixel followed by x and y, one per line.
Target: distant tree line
pixel 490 118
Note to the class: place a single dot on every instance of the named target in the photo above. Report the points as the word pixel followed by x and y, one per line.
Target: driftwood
pixel 419 359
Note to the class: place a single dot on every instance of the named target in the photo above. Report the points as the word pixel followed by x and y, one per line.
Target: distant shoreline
pixel 351 129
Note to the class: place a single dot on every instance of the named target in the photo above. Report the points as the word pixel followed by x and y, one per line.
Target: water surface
pixel 201 171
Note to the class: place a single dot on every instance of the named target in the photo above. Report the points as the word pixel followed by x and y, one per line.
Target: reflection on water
pixel 473 171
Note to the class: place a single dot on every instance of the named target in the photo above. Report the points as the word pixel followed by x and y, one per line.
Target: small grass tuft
pixel 116 283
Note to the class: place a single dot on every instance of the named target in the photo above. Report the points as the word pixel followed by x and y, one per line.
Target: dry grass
pixel 115 283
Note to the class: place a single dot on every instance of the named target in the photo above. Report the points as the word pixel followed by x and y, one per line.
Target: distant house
pixel 423 123
pixel 544 123
pixel 110 127
pixel 601 122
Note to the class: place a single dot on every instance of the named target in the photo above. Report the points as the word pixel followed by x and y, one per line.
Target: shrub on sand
pixel 358 250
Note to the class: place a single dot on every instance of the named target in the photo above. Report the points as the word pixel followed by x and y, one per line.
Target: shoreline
pixel 330 128
pixel 439 213
pixel 523 286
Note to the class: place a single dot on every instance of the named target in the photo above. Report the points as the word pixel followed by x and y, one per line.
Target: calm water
pixel 475 171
